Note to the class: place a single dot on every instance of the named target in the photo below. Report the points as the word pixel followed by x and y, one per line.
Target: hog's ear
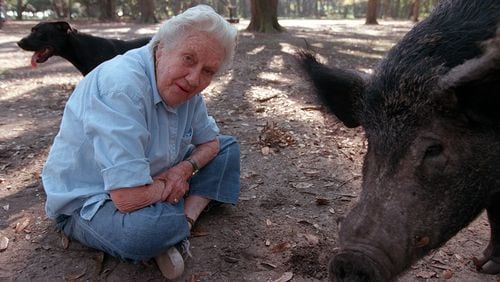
pixel 341 90
pixel 476 84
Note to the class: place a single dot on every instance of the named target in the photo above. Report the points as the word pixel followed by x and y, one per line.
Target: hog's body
pixel 431 113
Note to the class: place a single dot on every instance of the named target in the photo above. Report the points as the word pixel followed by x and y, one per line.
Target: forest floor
pixel 301 169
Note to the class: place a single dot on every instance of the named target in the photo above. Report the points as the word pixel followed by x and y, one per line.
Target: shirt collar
pixel 150 70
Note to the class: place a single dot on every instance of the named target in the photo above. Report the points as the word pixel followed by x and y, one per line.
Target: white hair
pixel 199 18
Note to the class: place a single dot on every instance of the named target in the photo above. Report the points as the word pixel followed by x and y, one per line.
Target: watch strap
pixel 194 164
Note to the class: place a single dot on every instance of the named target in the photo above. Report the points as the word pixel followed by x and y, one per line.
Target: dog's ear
pixel 64 26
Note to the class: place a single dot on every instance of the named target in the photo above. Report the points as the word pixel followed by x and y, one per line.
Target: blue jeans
pixel 147 232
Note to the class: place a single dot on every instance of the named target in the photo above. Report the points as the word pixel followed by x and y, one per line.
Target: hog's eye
pixel 433 151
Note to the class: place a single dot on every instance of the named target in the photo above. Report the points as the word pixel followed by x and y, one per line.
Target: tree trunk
pixel 415 10
pixel 60 8
pixel 244 4
pixel 147 8
pixel 371 13
pixel 19 10
pixel 69 10
pixel 176 7
pixel 395 9
pixel 387 9
pixel 264 16
pixel 108 10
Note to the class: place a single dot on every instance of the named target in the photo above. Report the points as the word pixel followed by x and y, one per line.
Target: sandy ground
pixel 301 169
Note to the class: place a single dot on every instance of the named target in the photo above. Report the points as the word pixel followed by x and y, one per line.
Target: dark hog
pixel 431 115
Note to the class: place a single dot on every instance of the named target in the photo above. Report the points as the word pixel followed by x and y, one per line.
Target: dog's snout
pixel 22 43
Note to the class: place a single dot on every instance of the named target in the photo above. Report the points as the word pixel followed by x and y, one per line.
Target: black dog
pixel 84 51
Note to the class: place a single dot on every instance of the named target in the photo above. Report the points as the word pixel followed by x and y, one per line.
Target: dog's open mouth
pixel 41 55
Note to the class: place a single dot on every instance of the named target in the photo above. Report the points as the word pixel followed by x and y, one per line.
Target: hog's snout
pixel 354 266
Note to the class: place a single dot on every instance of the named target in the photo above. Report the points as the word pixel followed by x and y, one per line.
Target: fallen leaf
pixel 311 239
pixel 254 186
pixel 447 274
pixel 281 247
pixel 267 264
pixel 301 185
pixel 6 207
pixel 198 231
pixel 304 221
pixel 20 226
pixel 265 150
pixel 231 259
pixel 4 243
pixel 99 259
pixel 265 99
pixel 426 274
pixel 74 277
pixel 287 276
pixel 268 222
pixel 312 172
pixel 272 136
pixel 64 241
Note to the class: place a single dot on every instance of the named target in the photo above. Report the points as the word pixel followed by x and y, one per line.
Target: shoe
pixel 184 248
pixel 170 263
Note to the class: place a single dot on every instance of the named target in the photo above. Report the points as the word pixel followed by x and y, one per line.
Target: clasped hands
pixel 175 181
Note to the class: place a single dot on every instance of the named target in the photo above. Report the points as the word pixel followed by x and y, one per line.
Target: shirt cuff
pixel 128 174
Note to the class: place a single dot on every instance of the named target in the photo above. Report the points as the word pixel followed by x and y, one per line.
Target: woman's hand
pixel 176 180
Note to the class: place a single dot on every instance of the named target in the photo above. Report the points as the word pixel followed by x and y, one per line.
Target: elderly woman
pixel 137 157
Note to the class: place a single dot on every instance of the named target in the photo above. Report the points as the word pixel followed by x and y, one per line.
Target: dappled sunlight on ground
pixel 300 166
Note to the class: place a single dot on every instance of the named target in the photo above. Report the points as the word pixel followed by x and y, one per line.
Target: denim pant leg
pixel 147 232
pixel 219 180
pixel 135 236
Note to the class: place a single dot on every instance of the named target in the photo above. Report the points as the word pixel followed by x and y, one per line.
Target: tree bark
pixel 396 8
pixel 20 10
pixel 387 9
pixel 176 7
pixel 264 17
pixel 371 13
pixel 415 10
pixel 147 8
pixel 243 5
pixel 108 10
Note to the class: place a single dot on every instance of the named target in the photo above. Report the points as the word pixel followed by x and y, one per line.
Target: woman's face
pixel 187 67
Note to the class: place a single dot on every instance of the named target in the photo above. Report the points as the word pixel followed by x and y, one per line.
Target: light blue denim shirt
pixel 117 132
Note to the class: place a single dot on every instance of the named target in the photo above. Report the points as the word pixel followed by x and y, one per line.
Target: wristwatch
pixel 194 164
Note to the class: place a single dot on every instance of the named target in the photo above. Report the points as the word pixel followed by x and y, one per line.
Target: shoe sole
pixel 171 263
